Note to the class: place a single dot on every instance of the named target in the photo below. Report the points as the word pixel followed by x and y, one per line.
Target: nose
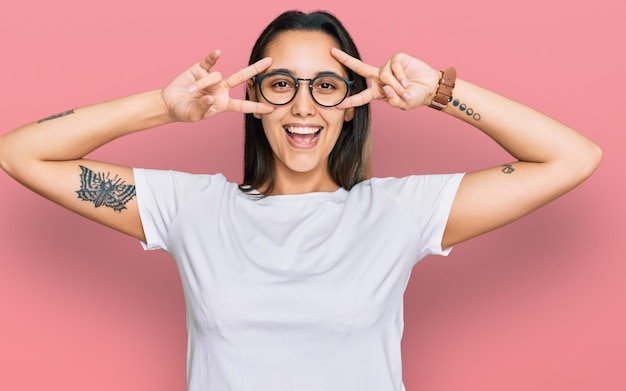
pixel 303 104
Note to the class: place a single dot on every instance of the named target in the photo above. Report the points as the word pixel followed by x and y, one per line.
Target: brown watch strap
pixel 444 89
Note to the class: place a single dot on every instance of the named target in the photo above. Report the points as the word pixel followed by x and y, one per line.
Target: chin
pixel 305 165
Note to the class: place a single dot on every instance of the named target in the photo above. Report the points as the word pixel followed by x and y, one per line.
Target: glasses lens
pixel 329 90
pixel 278 88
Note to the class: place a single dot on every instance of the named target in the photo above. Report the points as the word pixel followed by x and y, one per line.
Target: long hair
pixel 348 162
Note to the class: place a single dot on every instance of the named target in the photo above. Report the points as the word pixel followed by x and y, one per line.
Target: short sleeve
pixel 160 197
pixel 427 200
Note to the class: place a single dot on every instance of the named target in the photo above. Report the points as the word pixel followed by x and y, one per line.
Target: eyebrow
pixel 292 73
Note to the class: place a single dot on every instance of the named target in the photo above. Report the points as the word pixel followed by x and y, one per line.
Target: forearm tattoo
pixel 508 169
pixel 463 107
pixel 102 190
pixel 63 114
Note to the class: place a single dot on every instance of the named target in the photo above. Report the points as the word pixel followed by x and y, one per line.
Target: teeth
pixel 302 130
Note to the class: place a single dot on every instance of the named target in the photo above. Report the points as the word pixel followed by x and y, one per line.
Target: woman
pixel 294 279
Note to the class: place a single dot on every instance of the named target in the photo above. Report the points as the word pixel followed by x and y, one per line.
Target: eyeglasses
pixel 280 88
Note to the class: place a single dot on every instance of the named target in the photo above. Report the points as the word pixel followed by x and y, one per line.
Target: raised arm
pixel 47 156
pixel 551 157
pixel 551 160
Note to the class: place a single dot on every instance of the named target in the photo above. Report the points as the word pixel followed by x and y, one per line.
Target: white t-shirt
pixel 294 292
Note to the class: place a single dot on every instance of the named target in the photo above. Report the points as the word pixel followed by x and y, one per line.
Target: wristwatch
pixel 444 89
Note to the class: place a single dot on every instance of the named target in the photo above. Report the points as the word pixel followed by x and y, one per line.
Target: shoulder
pixel 177 178
pixel 412 184
pixel 180 187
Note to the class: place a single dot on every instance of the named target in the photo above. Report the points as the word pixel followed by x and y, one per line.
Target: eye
pixel 328 84
pixel 279 83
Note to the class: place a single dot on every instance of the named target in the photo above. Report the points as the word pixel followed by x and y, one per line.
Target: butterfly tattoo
pixel 102 190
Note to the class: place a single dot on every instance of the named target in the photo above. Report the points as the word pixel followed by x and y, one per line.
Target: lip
pixel 304 129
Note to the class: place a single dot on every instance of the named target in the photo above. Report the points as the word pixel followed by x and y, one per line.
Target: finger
pixel 389 77
pixel 207 81
pixel 209 61
pixel 394 99
pixel 360 99
pixel 208 101
pixel 197 72
pixel 245 74
pixel 201 68
pixel 354 64
pixel 398 69
pixel 247 106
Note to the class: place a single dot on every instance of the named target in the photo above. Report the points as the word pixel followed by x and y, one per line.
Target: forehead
pixel 303 52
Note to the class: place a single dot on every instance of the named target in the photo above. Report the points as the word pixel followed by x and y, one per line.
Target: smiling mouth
pixel 303 135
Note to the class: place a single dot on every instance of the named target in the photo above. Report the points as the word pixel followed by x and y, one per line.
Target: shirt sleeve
pixel 160 197
pixel 427 199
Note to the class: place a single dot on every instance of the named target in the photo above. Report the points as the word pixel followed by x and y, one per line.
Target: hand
pixel 404 81
pixel 199 93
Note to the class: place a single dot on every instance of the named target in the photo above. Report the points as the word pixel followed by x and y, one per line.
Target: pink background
pixel 538 305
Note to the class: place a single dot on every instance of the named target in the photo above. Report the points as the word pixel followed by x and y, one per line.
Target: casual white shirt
pixel 294 292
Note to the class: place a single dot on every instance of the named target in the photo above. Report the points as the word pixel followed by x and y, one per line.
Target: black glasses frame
pixel 259 79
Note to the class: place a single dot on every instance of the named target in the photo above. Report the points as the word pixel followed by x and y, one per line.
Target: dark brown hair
pixel 348 162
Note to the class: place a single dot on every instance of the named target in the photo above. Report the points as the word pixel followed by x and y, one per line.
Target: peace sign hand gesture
pixel 404 81
pixel 199 93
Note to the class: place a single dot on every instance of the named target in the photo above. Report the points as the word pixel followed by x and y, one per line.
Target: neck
pixel 302 182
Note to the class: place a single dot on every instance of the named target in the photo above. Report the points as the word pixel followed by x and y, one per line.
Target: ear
pixel 348 115
pixel 252 95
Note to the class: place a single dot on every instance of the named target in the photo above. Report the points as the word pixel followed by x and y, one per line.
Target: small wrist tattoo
pixel 508 169
pixel 102 190
pixel 463 107
pixel 63 114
